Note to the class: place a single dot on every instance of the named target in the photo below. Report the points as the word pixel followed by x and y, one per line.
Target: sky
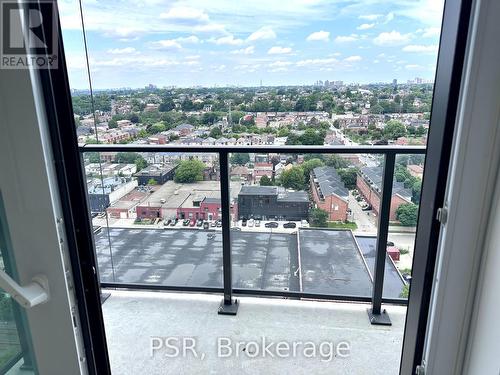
pixel 133 43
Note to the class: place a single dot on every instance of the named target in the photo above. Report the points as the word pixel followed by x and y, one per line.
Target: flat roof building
pixel 272 202
pixel 158 173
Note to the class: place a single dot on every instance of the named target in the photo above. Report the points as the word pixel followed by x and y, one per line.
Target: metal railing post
pixel 228 306
pixel 376 314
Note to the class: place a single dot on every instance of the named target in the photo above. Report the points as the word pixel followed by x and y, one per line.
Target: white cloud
pixel 277 50
pixel 167 44
pixel 279 64
pixel 211 28
pixel 317 62
pixel 185 14
pixel 389 17
pixel 227 40
pixel 188 39
pixel 353 58
pixel 365 26
pixel 391 38
pixel 420 48
pixel 413 66
pixel 346 38
pixel 119 51
pixel 431 32
pixel 244 51
pixel 263 33
pixel 319 36
pixel 370 17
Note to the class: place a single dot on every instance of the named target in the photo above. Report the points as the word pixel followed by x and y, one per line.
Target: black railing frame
pixel 228 305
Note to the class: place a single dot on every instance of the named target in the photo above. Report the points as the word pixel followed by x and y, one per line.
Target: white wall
pixel 484 338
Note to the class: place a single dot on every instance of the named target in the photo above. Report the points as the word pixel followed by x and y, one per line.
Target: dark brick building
pixel 272 203
pixel 159 174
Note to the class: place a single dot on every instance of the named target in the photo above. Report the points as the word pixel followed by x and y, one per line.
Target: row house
pixel 369 184
pixel 329 193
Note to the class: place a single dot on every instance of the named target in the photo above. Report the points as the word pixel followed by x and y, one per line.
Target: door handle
pixel 35 293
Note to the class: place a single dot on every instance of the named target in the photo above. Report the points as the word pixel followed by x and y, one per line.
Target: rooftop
pixel 173 195
pixel 106 186
pixel 283 194
pixel 374 176
pixel 329 182
pixel 156 170
pixel 331 262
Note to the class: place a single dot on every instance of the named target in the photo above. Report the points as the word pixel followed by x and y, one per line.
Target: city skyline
pixel 195 43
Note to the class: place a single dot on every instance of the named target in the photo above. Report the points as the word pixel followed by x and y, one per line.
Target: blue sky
pixel 215 42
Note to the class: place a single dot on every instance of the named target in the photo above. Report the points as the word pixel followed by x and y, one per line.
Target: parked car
pixel 289 225
pixel 271 224
pixel 206 225
pixel 257 223
pixel 251 222
pixel 185 222
pixel 213 224
pixel 236 229
pixel 174 222
pixel 192 223
pixel 304 224
pixel 368 207
pixel 199 223
pixel 244 222
pixel 219 223
pixel 167 222
pixel 390 243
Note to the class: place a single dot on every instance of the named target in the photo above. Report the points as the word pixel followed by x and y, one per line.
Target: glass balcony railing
pixel 320 222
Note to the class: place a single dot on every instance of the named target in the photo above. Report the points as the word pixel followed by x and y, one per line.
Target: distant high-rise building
pixel 394 82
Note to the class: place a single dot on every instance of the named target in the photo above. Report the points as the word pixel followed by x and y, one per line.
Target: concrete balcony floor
pixel 135 319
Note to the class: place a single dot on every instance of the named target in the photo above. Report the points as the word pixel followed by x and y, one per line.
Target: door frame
pixel 444 109
pixel 70 175
pixel 448 81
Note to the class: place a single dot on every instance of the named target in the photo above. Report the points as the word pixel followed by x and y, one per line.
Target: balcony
pixel 323 282
pixel 373 349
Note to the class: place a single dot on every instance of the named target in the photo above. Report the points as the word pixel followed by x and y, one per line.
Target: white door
pixel 41 339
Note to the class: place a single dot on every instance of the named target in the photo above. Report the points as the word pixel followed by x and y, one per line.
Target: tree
pixel 394 129
pixel 348 177
pixel 112 124
pixel 156 128
pixel 209 118
pixel 126 157
pixel 407 214
pixel 189 171
pixel 6 313
pixel 318 217
pixel 240 158
pixel 134 118
pixel 140 163
pixel 293 178
pixel 308 166
pixel 152 181
pixel 215 132
pixel 312 137
pixel 336 161
pixel 94 157
pixel 265 181
pixel 166 105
